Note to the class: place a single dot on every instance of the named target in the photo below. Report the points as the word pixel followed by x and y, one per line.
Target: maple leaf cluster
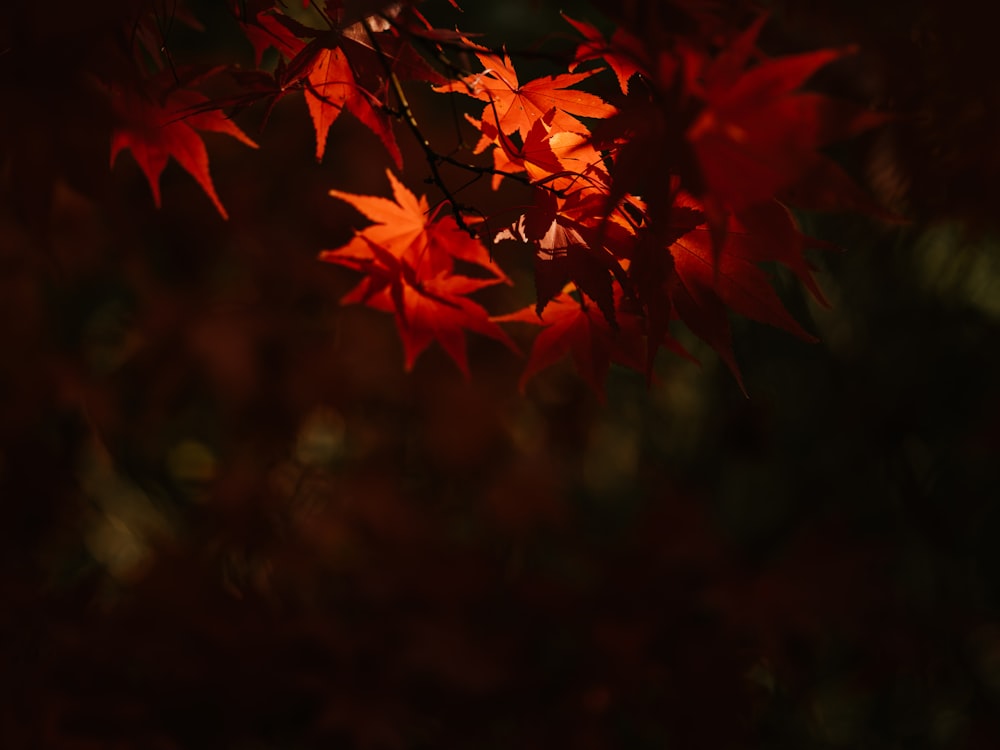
pixel 663 200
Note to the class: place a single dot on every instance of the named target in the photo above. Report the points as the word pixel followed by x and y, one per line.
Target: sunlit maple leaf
pixel 506 156
pixel 332 89
pixel 517 106
pixel 406 229
pixel 320 67
pixel 562 255
pixel 408 257
pixel 425 310
pixel 161 124
pixel 559 159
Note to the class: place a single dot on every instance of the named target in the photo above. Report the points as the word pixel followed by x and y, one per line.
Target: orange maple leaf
pixel 409 257
pixel 327 75
pixel 332 89
pixel 406 229
pixel 156 128
pixel 518 105
pixel 555 157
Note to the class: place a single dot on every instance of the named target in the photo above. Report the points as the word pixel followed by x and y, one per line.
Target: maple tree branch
pixel 438 46
pixel 435 158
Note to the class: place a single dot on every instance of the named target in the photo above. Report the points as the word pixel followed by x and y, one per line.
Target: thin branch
pixel 434 159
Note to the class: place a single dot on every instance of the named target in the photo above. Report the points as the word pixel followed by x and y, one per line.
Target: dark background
pixel 229 519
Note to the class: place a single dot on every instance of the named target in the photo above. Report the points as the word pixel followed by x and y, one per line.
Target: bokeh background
pixel 229 519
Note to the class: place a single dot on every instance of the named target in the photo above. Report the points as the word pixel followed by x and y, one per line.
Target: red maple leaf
pixel 734 276
pixel 566 252
pixel 331 89
pixel 704 285
pixel 572 327
pixel 163 123
pixel 406 230
pixel 408 256
pixel 266 31
pixel 322 68
pixel 559 159
pixel 436 309
pixel 517 106
pixel 625 54
pixel 758 135
pixel 680 274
